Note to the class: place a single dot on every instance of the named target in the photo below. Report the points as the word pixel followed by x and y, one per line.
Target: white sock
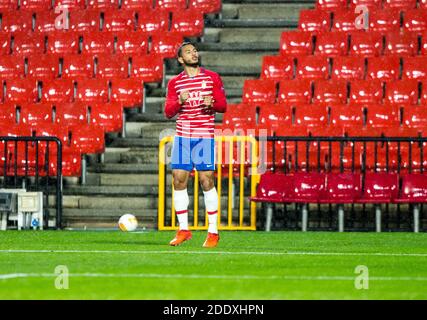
pixel 181 201
pixel 211 204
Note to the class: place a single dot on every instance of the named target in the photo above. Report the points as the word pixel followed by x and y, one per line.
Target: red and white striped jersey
pixel 194 118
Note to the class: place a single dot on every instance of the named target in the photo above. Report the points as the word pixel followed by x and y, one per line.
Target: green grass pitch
pixel 245 265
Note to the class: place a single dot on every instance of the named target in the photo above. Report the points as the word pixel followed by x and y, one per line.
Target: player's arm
pixel 218 94
pixel 172 104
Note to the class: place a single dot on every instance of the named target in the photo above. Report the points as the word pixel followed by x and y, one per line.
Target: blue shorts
pixel 189 153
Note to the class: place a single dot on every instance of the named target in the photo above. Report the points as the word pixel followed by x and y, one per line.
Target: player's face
pixel 189 56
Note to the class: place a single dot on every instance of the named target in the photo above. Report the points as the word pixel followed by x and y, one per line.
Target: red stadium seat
pixel 189 23
pixel 294 92
pixel 171 5
pixel 314 21
pixel 28 44
pixel 366 92
pixel 415 20
pixel 401 44
pixel 272 118
pixel 383 68
pixel 312 67
pixel 63 42
pixel 129 92
pixel 129 43
pixel 118 21
pixel 107 116
pixel 259 91
pixel 102 4
pixel 206 6
pixel 277 68
pixel 36 5
pixel 307 187
pixel 403 92
pixel 341 188
pixel 371 4
pixel 311 116
pixel 413 189
pixel 147 68
pixel 423 4
pixel 87 139
pixel 400 4
pixel 415 68
pixel 21 90
pixel 109 66
pixel 58 91
pixel 273 187
pixel 166 45
pixel 296 43
pixel 423 100
pixel 348 68
pixel 36 114
pixel 366 44
pixel 346 116
pixel 344 21
pixel 46 22
pixel 77 66
pixel 384 21
pixel 7 114
pixel 330 92
pixel 242 112
pixel 12 22
pixel 332 44
pixel 331 4
pixel 4 44
pixel 380 116
pixel 415 118
pixel 71 4
pixel 424 44
pixel 71 114
pixel 98 42
pixel 8 5
pixel 137 4
pixel 85 20
pixel 150 21
pixel 12 67
pixel 43 66
pixel 92 90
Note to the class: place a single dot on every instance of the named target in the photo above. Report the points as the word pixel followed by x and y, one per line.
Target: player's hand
pixel 208 101
pixel 183 97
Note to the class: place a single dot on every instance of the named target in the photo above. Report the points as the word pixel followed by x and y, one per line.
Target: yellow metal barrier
pixel 223 224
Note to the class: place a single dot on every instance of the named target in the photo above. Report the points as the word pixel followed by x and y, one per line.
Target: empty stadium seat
pixel 348 68
pixel 109 66
pixel 206 6
pixel 85 20
pixel 344 21
pixel 295 92
pixel 98 42
pixel 107 116
pixel 189 23
pixel 36 5
pixel 272 118
pixel 102 4
pixel 415 68
pixel 36 114
pixel 311 116
pixel 12 22
pixel 4 44
pixel 415 118
pixel 403 92
pixel 71 4
pixel 117 21
pixel 166 45
pixel 151 21
pixel 366 92
pixel 424 44
pixel 366 44
pixel 400 4
pixel 341 188
pixel 277 68
pixel 384 20
pixel 259 91
pixel 346 116
pixel 147 68
pixel 77 66
pixel 371 4
pixel 307 187
pixel 415 20
pixel 423 98
pixel 92 90
pixel 7 114
pixel 332 44
pixel 21 90
pixel 129 43
pixel 314 21
pixel 28 44
pixel 58 91
pixel 383 68
pixel 87 139
pixel 423 4
pixel 71 114
pixel 136 4
pixel 413 189
pixel 62 42
pixel 312 67
pixel 331 4
pixel 8 5
pixel 43 66
pixel 46 22
pixel 273 187
pixel 129 92
pixel 379 116
pixel 12 67
pixel 330 92
pixel 401 44
pixel 171 5
pixel 296 43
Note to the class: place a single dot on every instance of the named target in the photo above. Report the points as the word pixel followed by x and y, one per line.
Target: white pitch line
pixel 204 276
pixel 224 252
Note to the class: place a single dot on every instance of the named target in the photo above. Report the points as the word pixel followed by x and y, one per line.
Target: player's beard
pixel 192 65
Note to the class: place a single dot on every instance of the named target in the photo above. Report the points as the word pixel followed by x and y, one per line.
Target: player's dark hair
pixel 185 43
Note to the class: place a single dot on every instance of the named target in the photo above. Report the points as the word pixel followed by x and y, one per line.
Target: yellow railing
pixel 224 222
